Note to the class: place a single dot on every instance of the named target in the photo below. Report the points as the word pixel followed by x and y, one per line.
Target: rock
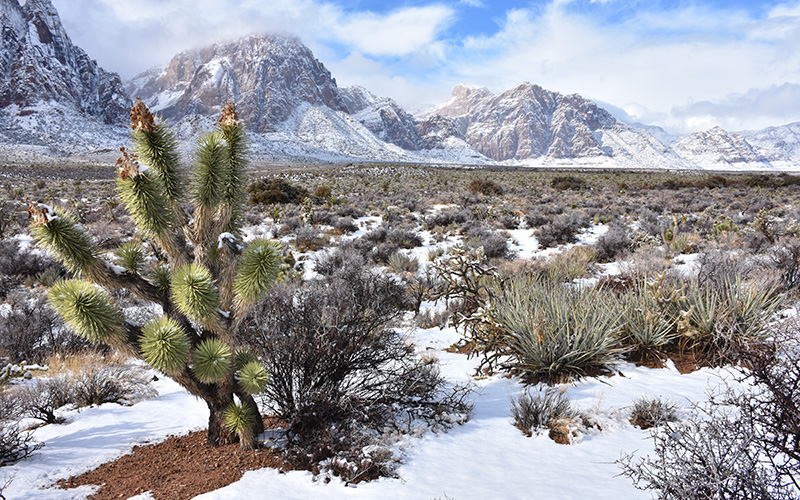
pixel 39 63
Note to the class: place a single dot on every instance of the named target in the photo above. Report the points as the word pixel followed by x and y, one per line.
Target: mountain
pixel 528 123
pixel 54 98
pixel 39 63
pixel 267 76
pixel 716 148
pixel 55 101
pixel 382 116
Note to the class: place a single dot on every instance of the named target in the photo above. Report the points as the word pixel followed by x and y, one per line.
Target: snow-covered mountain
pixel 53 96
pixel 268 76
pixel 55 101
pixel 531 124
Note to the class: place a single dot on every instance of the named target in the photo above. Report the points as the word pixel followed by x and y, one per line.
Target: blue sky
pixel 684 65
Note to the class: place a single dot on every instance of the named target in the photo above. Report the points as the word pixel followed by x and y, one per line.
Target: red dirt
pixel 685 361
pixel 179 468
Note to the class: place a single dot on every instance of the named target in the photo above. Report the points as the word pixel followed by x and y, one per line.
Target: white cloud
pixel 647 65
pixel 672 68
pixel 398 33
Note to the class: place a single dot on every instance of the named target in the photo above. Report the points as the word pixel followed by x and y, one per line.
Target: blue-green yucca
pixel 206 281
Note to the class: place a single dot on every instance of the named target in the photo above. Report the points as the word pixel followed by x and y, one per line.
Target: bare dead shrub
pixel 336 364
pixel 32 332
pixel 615 242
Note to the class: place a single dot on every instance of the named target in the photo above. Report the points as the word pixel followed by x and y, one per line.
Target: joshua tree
pixel 206 280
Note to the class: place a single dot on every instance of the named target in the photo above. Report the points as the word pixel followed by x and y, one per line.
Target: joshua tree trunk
pixel 206 280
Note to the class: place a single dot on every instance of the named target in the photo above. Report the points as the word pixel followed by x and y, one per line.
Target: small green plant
pixel 533 411
pixel 648 412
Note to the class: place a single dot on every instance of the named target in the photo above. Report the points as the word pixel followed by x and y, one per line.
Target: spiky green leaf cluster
pixel 238 418
pixel 158 149
pixel 243 356
pixel 253 377
pixel 161 277
pixel 194 292
pixel 68 241
pixel 259 268
pixel 165 345
pixel 143 195
pixel 210 173
pixel 211 360
pixel 234 192
pixel 87 310
pixel 130 255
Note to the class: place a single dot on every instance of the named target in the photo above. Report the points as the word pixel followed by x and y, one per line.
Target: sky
pixel 684 65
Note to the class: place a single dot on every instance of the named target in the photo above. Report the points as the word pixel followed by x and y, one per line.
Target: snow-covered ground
pixel 483 459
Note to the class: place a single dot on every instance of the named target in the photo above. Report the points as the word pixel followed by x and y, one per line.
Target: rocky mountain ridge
pixel 55 100
pixel 39 63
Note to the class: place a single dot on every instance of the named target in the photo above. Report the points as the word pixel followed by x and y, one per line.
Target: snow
pixel 487 457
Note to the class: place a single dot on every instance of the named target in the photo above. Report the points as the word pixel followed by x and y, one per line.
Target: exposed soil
pixel 686 361
pixel 179 468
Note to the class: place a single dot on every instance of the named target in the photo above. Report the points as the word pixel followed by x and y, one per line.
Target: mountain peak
pixel 39 63
pixel 267 75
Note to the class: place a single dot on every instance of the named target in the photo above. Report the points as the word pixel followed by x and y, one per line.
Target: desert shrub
pixel 565 182
pixel 14 262
pixel 536 219
pixel 716 452
pixel 577 262
pixel 32 332
pixel 717 267
pixel 554 333
pixel 340 259
pixel 15 444
pixel 291 224
pixel 308 238
pixel 97 378
pixel 345 224
pixel 785 258
pixel 322 192
pixel 447 217
pixel 561 229
pixel 494 244
pixel 335 362
pixel 402 263
pixel 508 221
pixel 683 243
pixel 485 187
pixel 645 262
pixel 648 412
pixel 41 398
pixel 403 238
pixel 774 373
pixel 533 411
pixel 614 242
pixel 274 190
pixel 650 223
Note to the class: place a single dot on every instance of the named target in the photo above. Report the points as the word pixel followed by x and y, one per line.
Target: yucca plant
pixel 207 280
pixel 647 329
pixel 556 333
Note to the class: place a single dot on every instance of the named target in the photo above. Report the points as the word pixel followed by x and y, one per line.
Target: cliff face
pixel 268 76
pixel 526 122
pixel 39 64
